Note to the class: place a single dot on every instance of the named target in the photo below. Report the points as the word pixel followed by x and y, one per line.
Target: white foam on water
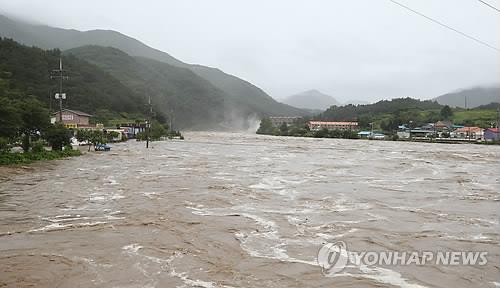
pixel 133 250
pixel 267 250
pixel 59 226
pixel 111 181
pixel 381 275
pixel 337 236
pixel 64 218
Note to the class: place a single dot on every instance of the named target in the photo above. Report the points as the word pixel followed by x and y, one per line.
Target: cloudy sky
pixel 356 49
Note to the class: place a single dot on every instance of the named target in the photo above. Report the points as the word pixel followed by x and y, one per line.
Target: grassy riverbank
pixel 30 157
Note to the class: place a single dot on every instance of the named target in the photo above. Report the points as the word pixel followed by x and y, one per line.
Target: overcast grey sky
pixel 355 49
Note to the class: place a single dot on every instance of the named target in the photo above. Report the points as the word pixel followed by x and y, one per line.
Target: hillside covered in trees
pixel 193 101
pixel 387 115
pixel 28 70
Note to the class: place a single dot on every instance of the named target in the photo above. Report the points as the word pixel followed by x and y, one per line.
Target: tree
pixel 266 127
pixel 10 118
pixel 58 136
pixel 446 112
pixel 157 131
pixel 284 129
pixel 97 137
pixel 35 119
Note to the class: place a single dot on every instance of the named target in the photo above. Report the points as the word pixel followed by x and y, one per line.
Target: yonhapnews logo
pixel 334 257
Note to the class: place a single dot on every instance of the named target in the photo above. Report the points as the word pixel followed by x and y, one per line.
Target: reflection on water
pixel 240 210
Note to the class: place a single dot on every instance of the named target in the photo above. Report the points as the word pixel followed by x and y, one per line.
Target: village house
pixel 279 120
pixel 73 118
pixel 132 129
pixel 492 134
pixel 468 133
pixel 371 135
pixel 443 126
pixel 319 125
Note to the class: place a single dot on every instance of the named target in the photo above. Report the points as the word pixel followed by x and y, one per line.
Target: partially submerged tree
pixel 58 136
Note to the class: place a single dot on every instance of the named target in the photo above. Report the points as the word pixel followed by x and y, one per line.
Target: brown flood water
pixel 242 210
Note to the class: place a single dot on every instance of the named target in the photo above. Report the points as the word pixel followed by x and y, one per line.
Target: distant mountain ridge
pixel 241 98
pixel 311 99
pixel 474 97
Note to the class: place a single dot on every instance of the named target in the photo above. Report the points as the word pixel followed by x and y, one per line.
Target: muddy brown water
pixel 242 210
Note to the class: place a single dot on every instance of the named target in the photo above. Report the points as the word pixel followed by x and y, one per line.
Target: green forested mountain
pixel 385 106
pixel 194 102
pixel 88 88
pixel 388 113
pixel 241 97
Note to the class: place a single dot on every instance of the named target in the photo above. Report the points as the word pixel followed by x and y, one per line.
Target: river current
pixel 243 210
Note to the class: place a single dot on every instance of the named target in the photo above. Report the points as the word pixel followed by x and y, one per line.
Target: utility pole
pixel 465 102
pixel 171 119
pixel 59 74
pixel 371 133
pixel 409 134
pixel 148 122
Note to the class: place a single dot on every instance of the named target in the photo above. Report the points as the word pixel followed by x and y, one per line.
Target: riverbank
pixel 390 139
pixel 30 157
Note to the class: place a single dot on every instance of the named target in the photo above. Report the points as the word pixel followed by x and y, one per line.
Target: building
pixel 421 133
pixel 443 126
pixel 371 135
pixel 73 118
pixel 468 133
pixel 319 125
pixel 492 134
pixel 279 120
pixel 131 130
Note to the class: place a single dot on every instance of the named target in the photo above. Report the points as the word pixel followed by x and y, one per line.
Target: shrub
pixel 38 146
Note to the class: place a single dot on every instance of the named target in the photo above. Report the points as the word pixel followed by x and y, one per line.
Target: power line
pixel 489 5
pixel 446 26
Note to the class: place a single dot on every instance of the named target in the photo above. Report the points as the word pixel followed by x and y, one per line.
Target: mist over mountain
pixel 240 98
pixel 311 99
pixel 474 97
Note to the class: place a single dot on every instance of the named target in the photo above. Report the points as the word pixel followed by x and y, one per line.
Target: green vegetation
pixel 157 132
pixel 58 136
pixel 24 119
pixel 88 87
pixel 93 137
pixel 7 158
pixel 475 117
pixel 300 129
pixel 387 115
pixel 193 101
pixel 446 112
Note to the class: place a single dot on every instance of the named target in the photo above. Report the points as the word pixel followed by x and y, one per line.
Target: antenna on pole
pixel 59 74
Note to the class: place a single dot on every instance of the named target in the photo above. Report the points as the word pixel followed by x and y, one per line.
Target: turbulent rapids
pixel 241 210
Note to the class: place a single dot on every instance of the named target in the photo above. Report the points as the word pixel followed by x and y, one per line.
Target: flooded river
pixel 242 210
